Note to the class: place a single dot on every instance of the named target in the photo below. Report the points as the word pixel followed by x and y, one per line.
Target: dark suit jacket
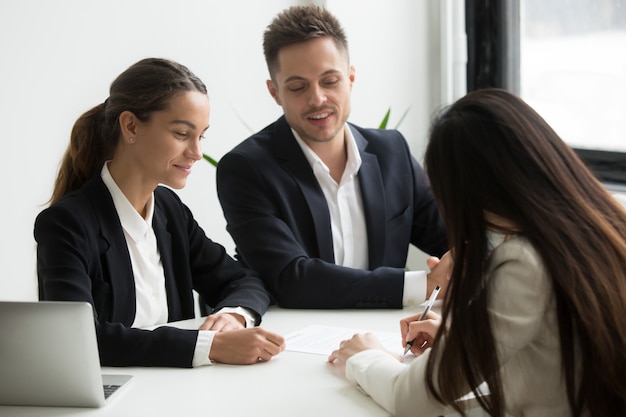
pixel 278 217
pixel 82 256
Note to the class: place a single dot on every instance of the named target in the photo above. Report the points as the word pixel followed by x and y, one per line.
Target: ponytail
pixel 90 146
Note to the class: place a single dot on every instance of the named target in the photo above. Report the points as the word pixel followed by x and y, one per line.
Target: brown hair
pixel 145 87
pixel 491 152
pixel 299 24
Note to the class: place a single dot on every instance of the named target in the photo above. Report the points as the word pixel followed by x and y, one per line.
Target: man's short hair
pixel 299 24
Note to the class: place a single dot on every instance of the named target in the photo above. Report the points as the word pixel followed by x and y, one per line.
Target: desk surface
pixel 291 384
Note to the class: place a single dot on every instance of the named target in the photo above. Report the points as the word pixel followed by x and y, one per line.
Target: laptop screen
pixel 49 355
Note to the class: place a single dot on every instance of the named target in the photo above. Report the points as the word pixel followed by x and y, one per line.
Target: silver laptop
pixel 49 356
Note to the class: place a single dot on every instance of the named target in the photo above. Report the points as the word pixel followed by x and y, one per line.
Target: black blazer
pixel 82 256
pixel 278 217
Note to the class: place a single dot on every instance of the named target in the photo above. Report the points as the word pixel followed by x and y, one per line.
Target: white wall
pixel 57 59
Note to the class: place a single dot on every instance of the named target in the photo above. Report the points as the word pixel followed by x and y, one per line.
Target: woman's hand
pixel 440 271
pixel 422 333
pixel 358 343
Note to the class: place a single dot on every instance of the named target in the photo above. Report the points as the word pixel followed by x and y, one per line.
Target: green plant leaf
pixel 402 118
pixel 209 159
pixel 243 122
pixel 383 124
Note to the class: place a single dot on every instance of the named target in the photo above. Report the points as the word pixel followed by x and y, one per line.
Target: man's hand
pixel 224 322
pixel 440 271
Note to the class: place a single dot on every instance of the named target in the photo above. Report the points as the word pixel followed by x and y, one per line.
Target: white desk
pixel 291 384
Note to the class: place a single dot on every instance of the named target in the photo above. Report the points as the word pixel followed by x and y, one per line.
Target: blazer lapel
pixel 294 162
pixel 373 195
pixel 164 239
pixel 114 252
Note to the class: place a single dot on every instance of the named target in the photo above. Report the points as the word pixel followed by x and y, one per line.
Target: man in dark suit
pixel 322 209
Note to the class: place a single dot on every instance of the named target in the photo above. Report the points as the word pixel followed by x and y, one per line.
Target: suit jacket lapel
pixel 164 239
pixel 114 252
pixel 294 162
pixel 373 195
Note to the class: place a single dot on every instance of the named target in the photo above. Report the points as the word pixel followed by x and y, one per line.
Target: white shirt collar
pixel 354 157
pixel 132 222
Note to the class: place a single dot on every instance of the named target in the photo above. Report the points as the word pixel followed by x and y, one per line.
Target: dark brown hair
pixel 145 87
pixel 300 24
pixel 491 152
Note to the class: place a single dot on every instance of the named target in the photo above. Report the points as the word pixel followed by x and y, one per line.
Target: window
pixel 567 59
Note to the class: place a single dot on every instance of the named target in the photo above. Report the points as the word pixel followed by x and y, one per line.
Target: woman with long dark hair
pixel 536 304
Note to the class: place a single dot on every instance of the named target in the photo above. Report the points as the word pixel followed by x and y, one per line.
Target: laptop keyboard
pixel 109 389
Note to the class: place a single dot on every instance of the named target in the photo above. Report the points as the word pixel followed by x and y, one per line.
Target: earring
pixel 131 140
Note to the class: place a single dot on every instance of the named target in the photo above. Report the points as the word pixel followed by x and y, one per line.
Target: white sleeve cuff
pixel 414 288
pixel 205 337
pixel 247 315
pixel 203 347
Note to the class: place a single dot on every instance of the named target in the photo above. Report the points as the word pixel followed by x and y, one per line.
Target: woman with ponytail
pixel 115 237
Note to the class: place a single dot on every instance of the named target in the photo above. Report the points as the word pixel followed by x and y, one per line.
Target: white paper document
pixel 322 340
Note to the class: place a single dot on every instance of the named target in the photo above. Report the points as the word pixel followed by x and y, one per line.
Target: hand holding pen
pixel 406 322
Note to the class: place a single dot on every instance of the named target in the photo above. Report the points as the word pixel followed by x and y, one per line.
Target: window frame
pixel 493 60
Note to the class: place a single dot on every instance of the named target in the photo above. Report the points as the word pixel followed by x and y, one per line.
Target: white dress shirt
pixel 347 216
pixel 150 295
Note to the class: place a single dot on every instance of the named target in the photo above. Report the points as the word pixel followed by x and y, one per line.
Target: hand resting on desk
pixel 359 342
pixel 246 346
pixel 421 332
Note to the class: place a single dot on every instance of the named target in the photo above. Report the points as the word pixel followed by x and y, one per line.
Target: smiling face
pixel 313 85
pixel 168 144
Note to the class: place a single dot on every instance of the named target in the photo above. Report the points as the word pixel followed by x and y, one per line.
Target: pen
pixel 429 305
